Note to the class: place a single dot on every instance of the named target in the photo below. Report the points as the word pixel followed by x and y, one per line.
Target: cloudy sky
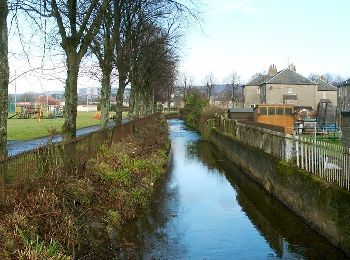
pixel 244 36
pixel 247 36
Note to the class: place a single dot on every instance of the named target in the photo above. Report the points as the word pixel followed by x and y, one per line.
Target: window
pixel 279 111
pixel 290 91
pixel 272 111
pixel 288 111
pixel 252 106
pixel 324 95
pixel 258 91
pixel 263 111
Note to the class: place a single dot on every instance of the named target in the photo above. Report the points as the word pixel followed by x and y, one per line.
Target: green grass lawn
pixel 27 129
pixel 329 138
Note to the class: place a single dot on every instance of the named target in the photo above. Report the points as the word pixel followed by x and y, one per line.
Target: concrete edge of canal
pixel 324 206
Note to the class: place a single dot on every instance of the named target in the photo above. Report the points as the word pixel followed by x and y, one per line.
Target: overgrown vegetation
pixel 197 110
pixel 194 104
pixel 210 111
pixel 64 216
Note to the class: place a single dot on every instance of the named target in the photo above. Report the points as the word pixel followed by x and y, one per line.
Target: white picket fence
pixel 328 161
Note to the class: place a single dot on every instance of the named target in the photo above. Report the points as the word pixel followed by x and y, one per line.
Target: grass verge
pixel 27 129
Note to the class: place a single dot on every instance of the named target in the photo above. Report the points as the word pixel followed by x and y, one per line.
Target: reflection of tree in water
pixel 152 235
pixel 201 150
pixel 286 233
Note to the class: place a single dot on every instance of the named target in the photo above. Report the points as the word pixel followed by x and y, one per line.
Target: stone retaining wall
pixel 325 206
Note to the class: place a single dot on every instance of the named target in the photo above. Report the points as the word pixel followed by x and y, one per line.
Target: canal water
pixel 206 208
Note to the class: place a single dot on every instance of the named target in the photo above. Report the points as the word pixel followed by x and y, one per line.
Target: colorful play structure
pixel 26 110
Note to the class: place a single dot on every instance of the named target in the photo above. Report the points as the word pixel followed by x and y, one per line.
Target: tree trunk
pixel 169 100
pixel 137 104
pixel 71 97
pixel 131 113
pixel 4 81
pixel 105 95
pixel 119 104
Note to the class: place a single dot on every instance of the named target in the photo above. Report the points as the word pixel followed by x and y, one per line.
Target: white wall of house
pixel 85 108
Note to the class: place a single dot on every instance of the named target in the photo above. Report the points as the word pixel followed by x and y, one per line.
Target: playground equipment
pixel 27 111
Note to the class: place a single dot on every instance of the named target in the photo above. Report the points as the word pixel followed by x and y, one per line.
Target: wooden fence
pixel 328 161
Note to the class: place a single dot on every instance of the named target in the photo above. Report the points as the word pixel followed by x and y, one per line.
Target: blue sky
pixel 244 36
pixel 247 36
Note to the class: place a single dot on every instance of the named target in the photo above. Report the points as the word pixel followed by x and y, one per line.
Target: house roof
pixel 346 82
pixel 258 80
pixel 289 77
pixel 324 86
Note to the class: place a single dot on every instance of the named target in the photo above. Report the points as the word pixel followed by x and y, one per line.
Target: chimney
pixel 272 70
pixel 292 67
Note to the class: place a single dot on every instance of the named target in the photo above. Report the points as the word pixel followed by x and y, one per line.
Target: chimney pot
pixel 272 70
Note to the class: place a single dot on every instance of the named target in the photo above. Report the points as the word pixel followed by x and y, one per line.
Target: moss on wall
pixel 323 205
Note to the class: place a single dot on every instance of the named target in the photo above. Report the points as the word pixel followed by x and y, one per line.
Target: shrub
pixel 114 219
pixel 81 190
pixel 194 104
pixel 97 115
pixel 36 249
pixel 210 111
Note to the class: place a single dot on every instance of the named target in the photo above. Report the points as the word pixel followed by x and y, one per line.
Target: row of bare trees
pixel 132 40
pixel 231 93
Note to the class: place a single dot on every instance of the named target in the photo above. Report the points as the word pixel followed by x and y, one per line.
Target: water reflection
pixel 207 208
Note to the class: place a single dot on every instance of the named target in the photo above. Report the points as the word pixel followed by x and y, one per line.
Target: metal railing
pixel 330 162
pixel 53 157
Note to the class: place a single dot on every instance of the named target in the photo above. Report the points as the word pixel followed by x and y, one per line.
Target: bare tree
pixel 328 77
pixel 128 28
pixel 233 88
pixel 185 84
pixel 4 78
pixel 313 76
pixel 78 22
pixel 103 46
pixel 209 86
pixel 153 52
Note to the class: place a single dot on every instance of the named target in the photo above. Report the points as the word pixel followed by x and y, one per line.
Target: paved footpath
pixel 18 147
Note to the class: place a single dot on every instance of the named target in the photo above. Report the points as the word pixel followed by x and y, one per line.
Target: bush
pixel 194 104
pixel 210 111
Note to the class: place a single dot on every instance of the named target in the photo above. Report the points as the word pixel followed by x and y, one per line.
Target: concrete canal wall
pixel 323 205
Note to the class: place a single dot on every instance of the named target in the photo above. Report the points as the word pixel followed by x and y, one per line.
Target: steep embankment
pixel 66 216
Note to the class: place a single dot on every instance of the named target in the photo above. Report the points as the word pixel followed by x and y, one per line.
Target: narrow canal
pixel 206 208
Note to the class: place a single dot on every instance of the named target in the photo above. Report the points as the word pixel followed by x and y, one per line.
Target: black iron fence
pixel 58 156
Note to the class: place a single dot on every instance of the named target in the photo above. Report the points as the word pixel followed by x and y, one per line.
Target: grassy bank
pixel 27 129
pixel 78 215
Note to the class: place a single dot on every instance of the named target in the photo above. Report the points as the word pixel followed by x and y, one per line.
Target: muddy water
pixel 206 208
